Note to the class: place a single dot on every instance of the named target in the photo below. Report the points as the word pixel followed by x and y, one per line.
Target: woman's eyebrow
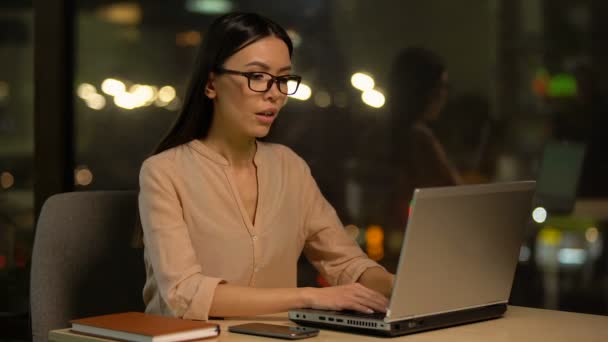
pixel 266 67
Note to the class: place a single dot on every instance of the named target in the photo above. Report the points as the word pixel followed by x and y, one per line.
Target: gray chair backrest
pixel 83 262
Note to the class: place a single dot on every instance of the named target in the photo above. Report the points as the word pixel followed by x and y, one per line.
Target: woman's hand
pixel 346 297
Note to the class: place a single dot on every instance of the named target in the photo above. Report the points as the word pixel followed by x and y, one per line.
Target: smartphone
pixel 274 330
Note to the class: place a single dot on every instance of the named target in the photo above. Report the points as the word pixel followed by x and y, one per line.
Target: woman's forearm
pixel 378 279
pixel 230 300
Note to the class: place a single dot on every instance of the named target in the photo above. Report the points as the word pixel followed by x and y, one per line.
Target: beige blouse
pixel 197 232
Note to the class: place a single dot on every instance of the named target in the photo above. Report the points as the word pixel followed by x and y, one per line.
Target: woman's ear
pixel 210 87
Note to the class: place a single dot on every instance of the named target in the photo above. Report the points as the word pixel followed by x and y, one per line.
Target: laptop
pixel 558 176
pixel 456 265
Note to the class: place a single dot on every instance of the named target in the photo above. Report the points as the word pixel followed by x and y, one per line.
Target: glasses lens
pixel 259 81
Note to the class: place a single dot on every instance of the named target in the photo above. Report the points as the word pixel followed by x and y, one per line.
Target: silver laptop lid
pixel 460 248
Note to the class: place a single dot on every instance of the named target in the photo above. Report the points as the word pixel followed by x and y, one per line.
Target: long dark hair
pixel 414 82
pixel 226 36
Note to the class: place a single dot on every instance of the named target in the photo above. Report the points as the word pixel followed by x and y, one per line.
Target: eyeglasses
pixel 261 82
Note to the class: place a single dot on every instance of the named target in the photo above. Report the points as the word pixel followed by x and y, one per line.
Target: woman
pixel 418 92
pixel 225 216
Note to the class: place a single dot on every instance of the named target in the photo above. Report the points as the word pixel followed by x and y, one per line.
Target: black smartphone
pixel 274 330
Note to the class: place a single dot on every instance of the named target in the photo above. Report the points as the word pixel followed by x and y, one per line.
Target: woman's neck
pixel 238 152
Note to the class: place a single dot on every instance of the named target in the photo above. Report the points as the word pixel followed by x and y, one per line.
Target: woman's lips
pixel 266 117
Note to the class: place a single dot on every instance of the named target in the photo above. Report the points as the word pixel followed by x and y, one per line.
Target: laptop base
pixel 407 326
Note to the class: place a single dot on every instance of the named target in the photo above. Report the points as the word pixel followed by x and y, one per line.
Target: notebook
pixel 137 326
pixel 456 265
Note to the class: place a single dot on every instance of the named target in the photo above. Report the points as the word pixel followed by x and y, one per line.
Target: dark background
pixel 517 71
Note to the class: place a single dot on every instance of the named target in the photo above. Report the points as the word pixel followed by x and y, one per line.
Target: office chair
pixel 83 262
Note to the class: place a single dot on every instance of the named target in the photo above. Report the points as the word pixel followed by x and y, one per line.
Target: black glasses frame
pixel 273 79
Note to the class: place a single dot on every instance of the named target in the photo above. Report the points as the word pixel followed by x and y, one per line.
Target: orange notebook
pixel 137 326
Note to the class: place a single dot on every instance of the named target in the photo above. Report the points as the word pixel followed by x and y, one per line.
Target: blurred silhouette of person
pixel 418 86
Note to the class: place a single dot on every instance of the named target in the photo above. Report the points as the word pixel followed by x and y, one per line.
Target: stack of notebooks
pixel 137 326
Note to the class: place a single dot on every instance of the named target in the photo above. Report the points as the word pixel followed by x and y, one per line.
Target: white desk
pixel 518 325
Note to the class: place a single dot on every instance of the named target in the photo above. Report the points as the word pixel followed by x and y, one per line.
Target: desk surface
pixel 518 324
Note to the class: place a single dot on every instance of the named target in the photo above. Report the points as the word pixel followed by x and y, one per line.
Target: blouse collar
pixel 208 153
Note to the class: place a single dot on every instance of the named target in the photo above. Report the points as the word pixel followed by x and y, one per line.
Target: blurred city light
pixel 558 85
pixel 410 208
pixel 125 13
pixel 562 85
pixel 126 101
pixel 83 176
pixel 144 94
pixel 572 256
pixel 113 87
pixel 322 99
pixel 540 82
pixel 96 101
pixel 591 234
pixel 85 90
pixel 373 98
pixel 6 180
pixel 166 94
pixel 209 6
pixel 374 235
pixel 4 90
pixel 374 242
pixel 296 39
pixel 524 254
pixel 304 92
pixel 188 38
pixel 550 236
pixel 539 215
pixel 362 81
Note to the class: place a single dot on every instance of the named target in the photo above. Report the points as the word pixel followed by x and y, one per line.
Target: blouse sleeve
pixel 179 277
pixel 328 247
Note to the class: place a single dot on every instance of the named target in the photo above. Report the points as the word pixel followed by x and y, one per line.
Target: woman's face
pixel 437 104
pixel 238 109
